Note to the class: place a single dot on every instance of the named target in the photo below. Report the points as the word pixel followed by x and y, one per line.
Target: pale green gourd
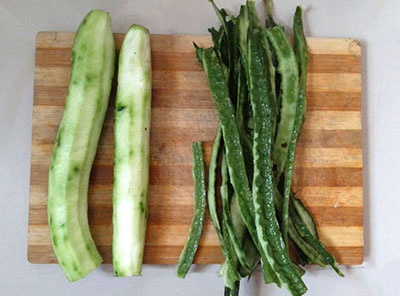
pixel 93 61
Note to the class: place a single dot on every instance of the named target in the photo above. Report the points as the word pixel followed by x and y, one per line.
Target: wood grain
pixel 328 165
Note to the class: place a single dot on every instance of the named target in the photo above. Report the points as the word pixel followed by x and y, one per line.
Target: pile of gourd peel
pixel 257 80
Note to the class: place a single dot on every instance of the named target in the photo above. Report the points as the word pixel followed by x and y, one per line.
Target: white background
pixel 375 22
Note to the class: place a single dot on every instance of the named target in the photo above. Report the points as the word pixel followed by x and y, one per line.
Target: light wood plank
pixel 183 43
pixel 328 157
pixel 331 196
pixel 179 153
pixel 333 120
pixel 316 120
pixel 100 195
pixel 346 46
pixel 176 235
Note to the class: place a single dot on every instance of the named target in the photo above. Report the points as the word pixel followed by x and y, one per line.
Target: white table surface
pixel 375 22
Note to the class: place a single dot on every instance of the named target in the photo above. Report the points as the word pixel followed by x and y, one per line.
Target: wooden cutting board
pixel 328 169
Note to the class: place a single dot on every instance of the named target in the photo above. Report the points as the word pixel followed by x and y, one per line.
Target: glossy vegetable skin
pixel 229 267
pixel 301 48
pixel 230 273
pixel 93 59
pixel 243 249
pixel 304 214
pixel 212 183
pixel 266 222
pixel 289 88
pixel 131 152
pixel 315 243
pixel 199 177
pixel 287 67
pixel 258 88
pixel 302 56
pixel 234 154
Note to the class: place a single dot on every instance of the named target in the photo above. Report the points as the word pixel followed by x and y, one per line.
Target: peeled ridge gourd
pixel 93 62
pixel 131 152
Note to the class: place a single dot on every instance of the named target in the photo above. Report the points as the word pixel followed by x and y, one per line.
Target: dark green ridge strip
pixel 199 177
pixel 228 221
pixel 314 242
pixel 269 236
pixel 302 56
pixel 304 246
pixel 233 149
pixel 286 137
pixel 232 275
